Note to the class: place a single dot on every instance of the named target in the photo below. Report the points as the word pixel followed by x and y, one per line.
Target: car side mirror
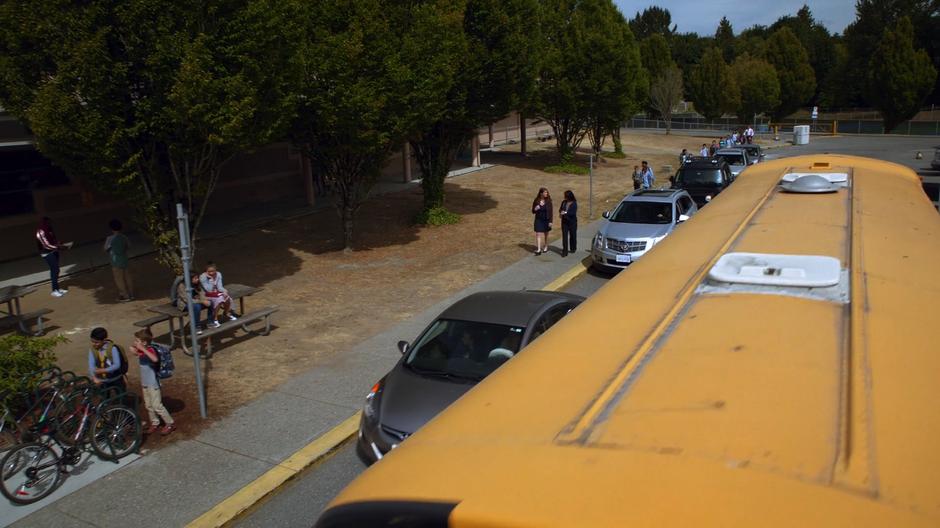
pixel 683 218
pixel 606 214
pixel 403 347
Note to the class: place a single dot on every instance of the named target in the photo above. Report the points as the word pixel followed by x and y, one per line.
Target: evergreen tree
pixel 819 44
pixel 797 81
pixel 713 89
pixel 760 89
pixel 652 21
pixel 656 56
pixel 899 77
pixel 724 39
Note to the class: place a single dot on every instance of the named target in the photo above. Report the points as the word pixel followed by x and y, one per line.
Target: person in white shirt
pixel 704 151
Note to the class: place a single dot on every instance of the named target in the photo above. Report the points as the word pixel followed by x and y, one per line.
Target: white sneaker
pixel 231 317
pixel 215 324
pixel 57 293
pixel 63 291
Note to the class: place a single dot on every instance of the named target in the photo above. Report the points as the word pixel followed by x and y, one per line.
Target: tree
pixel 376 72
pixel 589 72
pixel 797 81
pixel 724 39
pixel 149 111
pixel 687 51
pixel 666 93
pixel 899 77
pixel 713 89
pixel 494 74
pixel 654 51
pixel 816 40
pixel 760 88
pixel 653 20
pixel 863 35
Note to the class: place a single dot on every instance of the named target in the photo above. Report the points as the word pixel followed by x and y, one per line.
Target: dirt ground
pixel 330 299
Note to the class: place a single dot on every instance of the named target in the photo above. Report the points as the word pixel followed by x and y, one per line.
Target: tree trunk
pixel 618 145
pixel 435 152
pixel 348 217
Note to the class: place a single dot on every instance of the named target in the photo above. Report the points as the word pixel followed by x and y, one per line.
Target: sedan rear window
pixel 710 177
pixel 732 159
pixel 464 349
pixel 643 213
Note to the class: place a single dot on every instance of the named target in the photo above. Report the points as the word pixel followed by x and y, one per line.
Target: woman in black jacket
pixel 569 223
pixel 542 209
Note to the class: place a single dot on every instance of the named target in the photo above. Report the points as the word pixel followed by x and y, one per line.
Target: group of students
pixel 543 210
pixel 207 292
pixel 108 366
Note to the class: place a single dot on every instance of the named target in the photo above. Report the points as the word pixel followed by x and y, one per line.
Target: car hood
pixel 410 400
pixel 622 231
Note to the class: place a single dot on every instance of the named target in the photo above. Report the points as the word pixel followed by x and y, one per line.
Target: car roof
pixel 512 308
pixel 703 163
pixel 729 150
pixel 653 195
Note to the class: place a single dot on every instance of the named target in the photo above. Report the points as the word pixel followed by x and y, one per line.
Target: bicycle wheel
pixel 115 432
pixel 30 472
pixel 7 439
pixel 67 420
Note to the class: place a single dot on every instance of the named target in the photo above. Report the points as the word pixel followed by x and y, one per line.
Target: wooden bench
pixel 22 319
pixel 243 322
pixel 147 323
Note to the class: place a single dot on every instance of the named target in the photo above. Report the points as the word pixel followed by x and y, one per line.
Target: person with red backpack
pixel 149 357
pixel 107 364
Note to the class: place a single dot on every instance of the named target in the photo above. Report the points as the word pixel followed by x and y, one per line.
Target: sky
pixel 702 16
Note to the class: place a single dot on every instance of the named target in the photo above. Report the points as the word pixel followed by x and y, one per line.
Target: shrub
pixel 437 216
pixel 21 355
pixel 569 168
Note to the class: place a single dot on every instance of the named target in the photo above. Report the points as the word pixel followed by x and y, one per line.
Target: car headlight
pixel 599 241
pixel 371 407
pixel 708 198
pixel 657 240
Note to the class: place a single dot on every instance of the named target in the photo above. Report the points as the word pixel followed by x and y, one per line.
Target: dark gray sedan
pixel 463 345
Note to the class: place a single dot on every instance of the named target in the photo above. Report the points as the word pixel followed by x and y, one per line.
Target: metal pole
pixel 590 185
pixel 187 257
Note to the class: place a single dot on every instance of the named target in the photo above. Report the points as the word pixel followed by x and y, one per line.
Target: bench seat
pixel 242 321
pixel 150 321
pixel 21 320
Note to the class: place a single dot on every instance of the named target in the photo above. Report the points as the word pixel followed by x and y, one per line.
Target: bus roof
pixel 670 399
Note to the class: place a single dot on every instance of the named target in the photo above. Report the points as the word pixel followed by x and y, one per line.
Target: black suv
pixel 703 178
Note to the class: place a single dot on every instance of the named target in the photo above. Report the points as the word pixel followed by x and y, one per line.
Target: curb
pixel 229 509
pixel 242 500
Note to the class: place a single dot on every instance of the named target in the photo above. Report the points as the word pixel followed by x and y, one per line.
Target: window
pixel 549 319
pixel 643 213
pixel 463 349
pixel 22 171
pixel 712 177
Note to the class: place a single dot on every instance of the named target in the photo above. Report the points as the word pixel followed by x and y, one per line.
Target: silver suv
pixel 735 157
pixel 640 221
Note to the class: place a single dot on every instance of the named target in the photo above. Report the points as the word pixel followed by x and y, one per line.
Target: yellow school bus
pixel 774 362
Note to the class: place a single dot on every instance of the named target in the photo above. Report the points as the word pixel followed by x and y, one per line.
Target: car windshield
pixel 704 177
pixel 643 213
pixel 463 349
pixel 732 159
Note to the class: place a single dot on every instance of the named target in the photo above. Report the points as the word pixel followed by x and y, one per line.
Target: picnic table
pixel 11 295
pixel 176 317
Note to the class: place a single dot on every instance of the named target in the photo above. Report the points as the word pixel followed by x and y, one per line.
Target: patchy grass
pixel 566 168
pixel 437 216
pixel 613 155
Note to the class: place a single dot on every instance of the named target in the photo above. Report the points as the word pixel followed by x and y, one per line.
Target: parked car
pixel 463 345
pixel 641 220
pixel 703 179
pixel 736 158
pixel 755 154
pixel 935 163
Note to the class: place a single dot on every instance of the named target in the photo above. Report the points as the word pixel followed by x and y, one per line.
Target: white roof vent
pixel 811 183
pixel 833 177
pixel 806 271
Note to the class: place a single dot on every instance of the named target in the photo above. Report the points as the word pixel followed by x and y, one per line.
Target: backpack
pixel 165 367
pixel 122 370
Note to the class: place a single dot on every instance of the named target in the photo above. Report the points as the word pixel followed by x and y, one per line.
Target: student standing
pixel 150 383
pixel 49 251
pixel 116 246
pixel 704 151
pixel 637 177
pixel 647 176
pixel 569 224
pixel 542 209
pixel 105 367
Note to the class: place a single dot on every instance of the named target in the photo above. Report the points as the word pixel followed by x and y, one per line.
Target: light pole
pixel 183 219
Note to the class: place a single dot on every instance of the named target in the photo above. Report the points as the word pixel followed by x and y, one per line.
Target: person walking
pixel 49 251
pixel 150 383
pixel 569 223
pixel 713 148
pixel 105 366
pixel 542 209
pixel 637 177
pixel 704 151
pixel 647 176
pixel 684 155
pixel 116 247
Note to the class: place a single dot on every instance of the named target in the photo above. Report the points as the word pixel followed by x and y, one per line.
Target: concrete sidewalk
pixel 182 481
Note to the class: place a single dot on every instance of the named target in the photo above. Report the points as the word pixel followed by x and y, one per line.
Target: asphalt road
pixel 302 500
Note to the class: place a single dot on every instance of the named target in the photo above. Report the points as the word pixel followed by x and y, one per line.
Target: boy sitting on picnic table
pixel 199 302
pixel 217 295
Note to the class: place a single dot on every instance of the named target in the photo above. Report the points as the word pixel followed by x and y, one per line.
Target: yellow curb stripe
pixel 227 510
pixel 567 277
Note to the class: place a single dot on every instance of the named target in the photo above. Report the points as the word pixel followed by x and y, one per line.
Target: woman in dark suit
pixel 569 223
pixel 542 209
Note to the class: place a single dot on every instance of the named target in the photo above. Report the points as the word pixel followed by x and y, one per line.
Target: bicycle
pixel 31 471
pixel 32 406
